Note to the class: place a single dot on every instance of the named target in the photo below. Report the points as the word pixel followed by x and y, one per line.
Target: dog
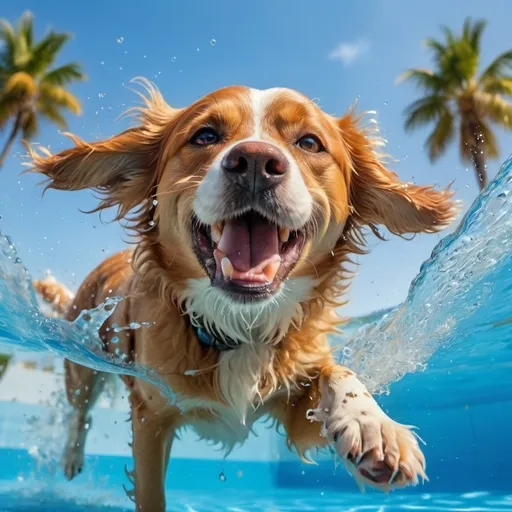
pixel 246 207
pixel 54 298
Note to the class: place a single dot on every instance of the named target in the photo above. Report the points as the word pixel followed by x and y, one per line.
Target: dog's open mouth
pixel 247 255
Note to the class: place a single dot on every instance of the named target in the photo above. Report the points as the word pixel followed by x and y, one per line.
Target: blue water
pixel 442 360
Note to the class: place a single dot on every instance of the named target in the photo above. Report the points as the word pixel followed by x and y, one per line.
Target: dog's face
pixel 248 195
pixel 256 178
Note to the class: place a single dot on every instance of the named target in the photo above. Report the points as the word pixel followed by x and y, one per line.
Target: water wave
pixel 457 316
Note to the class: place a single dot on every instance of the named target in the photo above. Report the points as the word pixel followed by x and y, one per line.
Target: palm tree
pixel 457 98
pixel 30 87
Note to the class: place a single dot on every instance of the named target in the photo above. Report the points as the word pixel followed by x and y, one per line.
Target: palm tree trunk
pixel 12 137
pixel 478 156
pixel 480 168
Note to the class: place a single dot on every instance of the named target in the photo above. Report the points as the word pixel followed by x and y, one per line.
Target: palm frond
pixel 60 97
pixel 26 27
pixel 8 38
pixel 448 35
pixel 52 112
pixel 498 86
pixel 425 110
pixel 64 75
pixel 423 78
pixel 494 107
pixel 472 33
pixel 45 52
pixel 441 136
pixel 500 67
pixel 21 84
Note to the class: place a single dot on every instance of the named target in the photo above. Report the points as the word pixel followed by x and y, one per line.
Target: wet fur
pixel 277 370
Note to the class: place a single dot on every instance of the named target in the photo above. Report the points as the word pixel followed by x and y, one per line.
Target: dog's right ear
pixel 122 169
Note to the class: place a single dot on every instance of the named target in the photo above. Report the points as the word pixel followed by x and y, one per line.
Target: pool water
pixel 442 361
pixel 282 501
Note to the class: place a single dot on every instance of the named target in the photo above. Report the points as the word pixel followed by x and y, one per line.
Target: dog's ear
pixel 122 169
pixel 379 197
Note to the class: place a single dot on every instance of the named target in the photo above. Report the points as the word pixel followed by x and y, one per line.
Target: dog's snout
pixel 255 165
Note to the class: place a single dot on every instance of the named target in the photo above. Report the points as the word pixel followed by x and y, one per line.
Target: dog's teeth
pixel 270 270
pixel 227 268
pixel 216 233
pixel 284 234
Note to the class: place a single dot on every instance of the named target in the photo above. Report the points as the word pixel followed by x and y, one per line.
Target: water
pixel 446 347
pixel 277 501
pixel 458 312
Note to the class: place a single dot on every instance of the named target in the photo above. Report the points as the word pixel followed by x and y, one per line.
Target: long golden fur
pixel 284 365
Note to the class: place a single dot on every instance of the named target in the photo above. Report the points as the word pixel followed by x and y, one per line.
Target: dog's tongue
pixel 249 242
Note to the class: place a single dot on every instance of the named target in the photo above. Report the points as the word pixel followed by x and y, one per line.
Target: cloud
pixel 348 53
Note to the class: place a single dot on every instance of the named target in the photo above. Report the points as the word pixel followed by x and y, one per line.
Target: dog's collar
pixel 211 339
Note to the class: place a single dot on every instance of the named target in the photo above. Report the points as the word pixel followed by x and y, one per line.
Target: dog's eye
pixel 310 143
pixel 205 137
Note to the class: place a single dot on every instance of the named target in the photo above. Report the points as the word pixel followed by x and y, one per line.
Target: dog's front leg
pixel 376 450
pixel 152 439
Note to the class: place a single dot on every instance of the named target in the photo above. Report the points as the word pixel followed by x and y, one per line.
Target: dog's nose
pixel 255 165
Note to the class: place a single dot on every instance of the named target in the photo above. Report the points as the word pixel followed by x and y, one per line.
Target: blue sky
pixel 335 51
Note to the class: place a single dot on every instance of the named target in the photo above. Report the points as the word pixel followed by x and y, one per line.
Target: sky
pixel 336 52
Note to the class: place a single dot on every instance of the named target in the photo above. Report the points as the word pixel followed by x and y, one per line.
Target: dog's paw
pixel 73 461
pixel 376 450
pixel 73 457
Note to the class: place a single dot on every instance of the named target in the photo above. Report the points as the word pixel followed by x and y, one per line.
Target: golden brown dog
pixel 54 298
pixel 246 206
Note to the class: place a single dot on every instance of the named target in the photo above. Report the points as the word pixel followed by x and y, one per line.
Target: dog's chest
pixel 240 375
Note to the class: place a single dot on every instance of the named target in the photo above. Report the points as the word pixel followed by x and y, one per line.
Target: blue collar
pixel 210 339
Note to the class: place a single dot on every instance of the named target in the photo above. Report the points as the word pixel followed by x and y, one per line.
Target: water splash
pixel 25 327
pixel 460 297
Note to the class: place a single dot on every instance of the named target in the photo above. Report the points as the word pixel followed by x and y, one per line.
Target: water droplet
pixel 102 62
pixel 385 103
pixel 198 49
pixel 502 196
pixel 101 95
pixel 213 42
pixel 120 40
pixel 222 477
pixel 115 339
pixel 173 59
pixel 144 56
pixel 347 351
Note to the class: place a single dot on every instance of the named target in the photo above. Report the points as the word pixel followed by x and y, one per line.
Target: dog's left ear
pixel 379 197
pixel 122 169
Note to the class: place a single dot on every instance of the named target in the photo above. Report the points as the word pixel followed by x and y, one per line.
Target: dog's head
pixel 248 197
